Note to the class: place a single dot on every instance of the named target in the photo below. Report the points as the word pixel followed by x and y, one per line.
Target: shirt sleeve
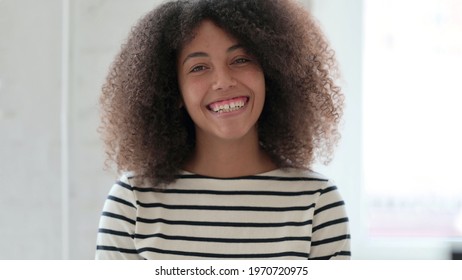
pixel 330 237
pixel 116 233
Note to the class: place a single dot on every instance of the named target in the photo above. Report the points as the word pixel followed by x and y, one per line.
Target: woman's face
pixel 222 86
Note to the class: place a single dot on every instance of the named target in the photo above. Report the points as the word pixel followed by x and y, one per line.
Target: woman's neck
pixel 229 158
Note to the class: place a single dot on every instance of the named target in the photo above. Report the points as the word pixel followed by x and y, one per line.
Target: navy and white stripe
pixel 291 214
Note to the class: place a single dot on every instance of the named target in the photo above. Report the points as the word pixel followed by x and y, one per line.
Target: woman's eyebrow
pixel 204 54
pixel 195 54
pixel 235 47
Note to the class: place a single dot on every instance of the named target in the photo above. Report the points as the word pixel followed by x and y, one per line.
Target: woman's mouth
pixel 229 105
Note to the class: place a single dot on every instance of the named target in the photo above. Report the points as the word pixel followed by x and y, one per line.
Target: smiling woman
pixel 217 109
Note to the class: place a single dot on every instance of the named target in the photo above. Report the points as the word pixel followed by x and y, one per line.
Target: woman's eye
pixel 197 68
pixel 241 60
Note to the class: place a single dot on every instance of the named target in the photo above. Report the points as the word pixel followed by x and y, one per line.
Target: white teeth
pixel 233 106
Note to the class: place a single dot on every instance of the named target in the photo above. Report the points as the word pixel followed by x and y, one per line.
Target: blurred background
pixel 397 166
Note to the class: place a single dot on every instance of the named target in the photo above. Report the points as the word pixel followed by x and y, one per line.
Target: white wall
pixel 32 188
pixel 30 129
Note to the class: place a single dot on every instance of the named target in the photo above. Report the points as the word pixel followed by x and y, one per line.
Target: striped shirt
pixel 290 214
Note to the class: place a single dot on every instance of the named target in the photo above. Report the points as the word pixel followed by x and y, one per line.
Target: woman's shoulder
pixel 133 181
pixel 307 177
pixel 299 173
pixel 126 180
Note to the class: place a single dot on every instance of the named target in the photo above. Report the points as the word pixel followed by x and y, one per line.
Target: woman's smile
pixel 228 105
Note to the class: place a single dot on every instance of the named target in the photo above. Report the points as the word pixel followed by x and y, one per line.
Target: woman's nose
pixel 224 79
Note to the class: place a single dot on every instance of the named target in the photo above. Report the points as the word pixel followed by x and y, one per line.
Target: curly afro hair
pixel 146 131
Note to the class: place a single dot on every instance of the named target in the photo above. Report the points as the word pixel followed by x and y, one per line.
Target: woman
pixel 218 109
